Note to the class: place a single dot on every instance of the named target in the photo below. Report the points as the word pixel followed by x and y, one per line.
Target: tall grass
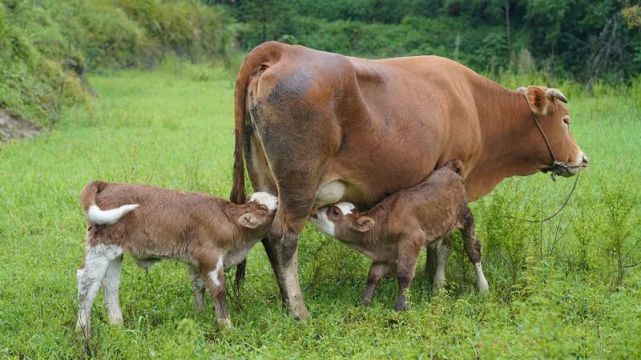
pixel 568 289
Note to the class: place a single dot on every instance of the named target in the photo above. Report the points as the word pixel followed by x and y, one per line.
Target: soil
pixel 16 128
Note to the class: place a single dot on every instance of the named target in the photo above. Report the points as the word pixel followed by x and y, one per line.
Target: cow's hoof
pixel 299 312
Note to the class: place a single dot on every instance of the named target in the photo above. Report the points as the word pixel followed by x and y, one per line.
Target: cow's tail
pixel 96 215
pixel 259 59
pixel 456 166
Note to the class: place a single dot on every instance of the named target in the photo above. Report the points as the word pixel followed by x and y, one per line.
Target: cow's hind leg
pixel 282 250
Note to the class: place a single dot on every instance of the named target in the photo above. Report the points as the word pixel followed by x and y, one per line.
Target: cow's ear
pixel 538 100
pixel 363 224
pixel 250 220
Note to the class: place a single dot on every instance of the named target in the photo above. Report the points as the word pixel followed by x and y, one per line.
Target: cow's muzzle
pixel 559 168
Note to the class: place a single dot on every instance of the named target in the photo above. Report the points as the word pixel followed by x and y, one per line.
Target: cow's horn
pixel 522 90
pixel 557 94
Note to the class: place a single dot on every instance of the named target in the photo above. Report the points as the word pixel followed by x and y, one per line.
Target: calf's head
pixel 560 152
pixel 258 213
pixel 342 221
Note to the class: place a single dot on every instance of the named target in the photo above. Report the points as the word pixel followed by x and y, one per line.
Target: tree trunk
pixel 509 32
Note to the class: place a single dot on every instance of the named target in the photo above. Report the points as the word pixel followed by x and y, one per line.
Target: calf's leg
pixel 97 260
pixel 473 248
pixel 198 288
pixel 443 249
pixel 405 270
pixel 112 287
pixel 376 272
pixel 214 278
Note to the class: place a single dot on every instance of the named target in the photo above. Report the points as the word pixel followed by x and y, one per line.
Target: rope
pixel 550 217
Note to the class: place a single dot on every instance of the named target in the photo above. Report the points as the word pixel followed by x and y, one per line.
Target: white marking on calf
pixel 213 275
pixel 442 252
pixel 97 260
pixel 480 278
pixel 267 199
pixel 322 223
pixel 108 217
pixel 346 207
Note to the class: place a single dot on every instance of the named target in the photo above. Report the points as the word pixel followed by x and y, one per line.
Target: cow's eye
pixel 334 212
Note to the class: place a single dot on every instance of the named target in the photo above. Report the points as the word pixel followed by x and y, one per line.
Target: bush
pixel 46 46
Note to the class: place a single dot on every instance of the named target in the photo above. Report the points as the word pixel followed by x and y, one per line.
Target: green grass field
pixel 567 289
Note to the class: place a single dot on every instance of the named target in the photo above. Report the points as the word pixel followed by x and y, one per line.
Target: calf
pixel 394 231
pixel 208 233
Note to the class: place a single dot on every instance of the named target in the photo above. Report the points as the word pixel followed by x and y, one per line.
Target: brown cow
pixel 318 128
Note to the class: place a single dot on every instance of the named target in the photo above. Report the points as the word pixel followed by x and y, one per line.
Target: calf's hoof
pixel 84 331
pixel 484 288
pixel 400 306
pixel 225 323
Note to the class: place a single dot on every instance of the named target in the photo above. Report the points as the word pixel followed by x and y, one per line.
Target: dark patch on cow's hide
pixel 291 88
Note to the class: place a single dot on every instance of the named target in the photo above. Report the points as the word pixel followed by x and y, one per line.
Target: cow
pixel 318 128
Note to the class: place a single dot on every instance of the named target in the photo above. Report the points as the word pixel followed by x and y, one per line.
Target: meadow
pixel 567 288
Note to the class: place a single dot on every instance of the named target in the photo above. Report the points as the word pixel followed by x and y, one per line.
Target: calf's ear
pixel 250 220
pixel 363 224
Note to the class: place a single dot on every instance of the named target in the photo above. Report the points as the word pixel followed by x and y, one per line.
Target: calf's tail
pixel 96 215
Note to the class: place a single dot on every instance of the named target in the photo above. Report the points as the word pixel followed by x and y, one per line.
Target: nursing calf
pixel 394 231
pixel 208 233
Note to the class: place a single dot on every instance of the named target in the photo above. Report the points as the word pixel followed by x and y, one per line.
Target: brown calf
pixel 394 231
pixel 208 233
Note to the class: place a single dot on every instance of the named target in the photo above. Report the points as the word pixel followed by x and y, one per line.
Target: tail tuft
pixel 108 217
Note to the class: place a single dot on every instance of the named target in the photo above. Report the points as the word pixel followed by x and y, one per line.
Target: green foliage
pixel 47 46
pixel 570 39
pixel 548 294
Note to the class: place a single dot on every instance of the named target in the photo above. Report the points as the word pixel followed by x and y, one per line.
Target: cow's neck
pixel 506 119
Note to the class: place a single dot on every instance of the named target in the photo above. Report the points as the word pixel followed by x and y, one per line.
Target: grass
pixel 568 289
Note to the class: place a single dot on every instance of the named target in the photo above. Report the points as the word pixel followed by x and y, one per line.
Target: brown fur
pixel 191 227
pixel 405 222
pixel 306 118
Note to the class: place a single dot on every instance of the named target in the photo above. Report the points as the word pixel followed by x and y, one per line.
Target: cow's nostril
pixel 585 160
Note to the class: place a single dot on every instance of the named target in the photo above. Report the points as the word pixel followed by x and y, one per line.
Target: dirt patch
pixel 16 128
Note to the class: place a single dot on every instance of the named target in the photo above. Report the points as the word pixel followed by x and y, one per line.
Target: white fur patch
pixel 213 275
pixel 323 223
pixel 345 207
pixel 480 278
pixel 267 199
pixel 108 217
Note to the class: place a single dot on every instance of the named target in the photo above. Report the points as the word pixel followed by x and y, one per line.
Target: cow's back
pixel 386 124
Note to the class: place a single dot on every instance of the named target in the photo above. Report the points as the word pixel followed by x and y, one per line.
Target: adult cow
pixel 317 128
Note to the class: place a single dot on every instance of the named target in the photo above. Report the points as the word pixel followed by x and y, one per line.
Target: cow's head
pixel 556 149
